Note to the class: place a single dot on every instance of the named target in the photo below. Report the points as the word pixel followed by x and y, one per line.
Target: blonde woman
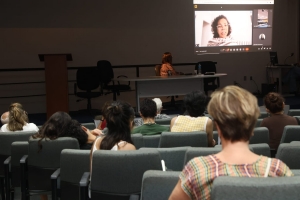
pixel 235 112
pixel 18 120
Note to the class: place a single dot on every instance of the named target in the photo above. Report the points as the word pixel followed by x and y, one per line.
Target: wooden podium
pixel 56 80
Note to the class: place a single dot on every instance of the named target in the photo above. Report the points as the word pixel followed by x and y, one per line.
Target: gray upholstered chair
pixel 6 139
pixel 183 139
pixel 294 112
pixel 151 140
pixel 90 125
pixel 263 115
pixel 200 151
pixel 165 121
pixel 158 185
pixel 290 133
pixel 216 137
pixel 261 149
pixel 260 135
pixel 290 155
pixel 12 167
pixel 137 140
pixel 173 157
pixel 244 188
pixel 38 166
pixel 258 122
pixel 73 163
pixel 118 174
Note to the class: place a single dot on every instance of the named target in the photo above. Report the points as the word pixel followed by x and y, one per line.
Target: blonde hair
pixel 235 111
pixel 17 117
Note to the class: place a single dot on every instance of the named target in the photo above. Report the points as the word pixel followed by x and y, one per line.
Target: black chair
pixel 210 84
pixel 87 79
pixel 106 80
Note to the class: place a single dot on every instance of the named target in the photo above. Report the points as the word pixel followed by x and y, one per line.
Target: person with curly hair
pixel 221 31
pixel 166 66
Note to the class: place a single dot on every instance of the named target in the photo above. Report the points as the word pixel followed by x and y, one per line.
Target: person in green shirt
pixel 148 111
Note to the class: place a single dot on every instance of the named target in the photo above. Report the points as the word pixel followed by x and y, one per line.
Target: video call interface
pixel 227 26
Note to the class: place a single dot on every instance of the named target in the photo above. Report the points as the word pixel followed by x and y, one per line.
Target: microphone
pixel 288 57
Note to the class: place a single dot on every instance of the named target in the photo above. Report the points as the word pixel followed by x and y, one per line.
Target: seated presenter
pixel 148 113
pixel 221 31
pixel 167 65
pixel 235 112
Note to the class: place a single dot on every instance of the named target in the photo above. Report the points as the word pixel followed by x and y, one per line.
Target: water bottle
pixel 199 68
pixel 169 73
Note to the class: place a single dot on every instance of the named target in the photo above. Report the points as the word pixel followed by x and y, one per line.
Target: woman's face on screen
pixel 222 28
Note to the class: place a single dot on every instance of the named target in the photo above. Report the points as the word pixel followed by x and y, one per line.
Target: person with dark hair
pixel 60 124
pixel 274 104
pixel 18 120
pixel 119 122
pixel 148 111
pixel 221 31
pixel 166 66
pixel 194 120
pixel 235 112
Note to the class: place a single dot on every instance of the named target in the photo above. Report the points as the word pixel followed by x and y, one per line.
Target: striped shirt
pixel 185 123
pixel 198 175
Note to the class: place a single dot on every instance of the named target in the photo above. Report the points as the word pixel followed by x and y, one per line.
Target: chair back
pixel 151 140
pixel 294 112
pixel 290 133
pixel 226 187
pixel 199 151
pixel 41 164
pixel 90 125
pixel 183 139
pixel 261 149
pixel 73 163
pixel 157 70
pixel 258 122
pixel 18 149
pixel 87 78
pixel 105 71
pixel 119 173
pixel 260 135
pixel 263 114
pixel 137 140
pixel 165 121
pixel 173 157
pixel 209 83
pixel 289 154
pixel 158 185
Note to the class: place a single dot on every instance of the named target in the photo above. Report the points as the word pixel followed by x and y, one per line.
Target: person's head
pixel 220 27
pixel 167 58
pixel 274 102
pixel 17 117
pixel 235 111
pixel 5 118
pixel 148 108
pixel 195 103
pixel 158 104
pixel 119 117
pixel 55 126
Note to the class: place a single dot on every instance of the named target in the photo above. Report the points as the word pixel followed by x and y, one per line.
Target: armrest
pixel 24 181
pixel 83 184
pixel 24 159
pixel 7 161
pixel 7 176
pixel 55 189
pixel 55 174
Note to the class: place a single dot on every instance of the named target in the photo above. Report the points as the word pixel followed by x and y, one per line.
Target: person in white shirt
pixel 18 120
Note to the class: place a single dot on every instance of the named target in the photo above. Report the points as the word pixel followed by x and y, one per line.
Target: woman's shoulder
pixel 4 128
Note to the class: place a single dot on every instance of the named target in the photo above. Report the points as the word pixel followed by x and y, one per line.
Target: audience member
pixel 4 118
pixel 235 112
pixel 18 120
pixel 148 110
pixel 60 124
pixel 194 104
pixel 274 104
pixel 166 66
pixel 139 121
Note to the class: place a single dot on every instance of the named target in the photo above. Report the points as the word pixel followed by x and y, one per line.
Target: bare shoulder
pixel 127 146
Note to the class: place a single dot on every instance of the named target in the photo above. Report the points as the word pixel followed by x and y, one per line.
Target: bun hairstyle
pixel 274 102
pixel 17 117
pixel 119 117
pixel 167 58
